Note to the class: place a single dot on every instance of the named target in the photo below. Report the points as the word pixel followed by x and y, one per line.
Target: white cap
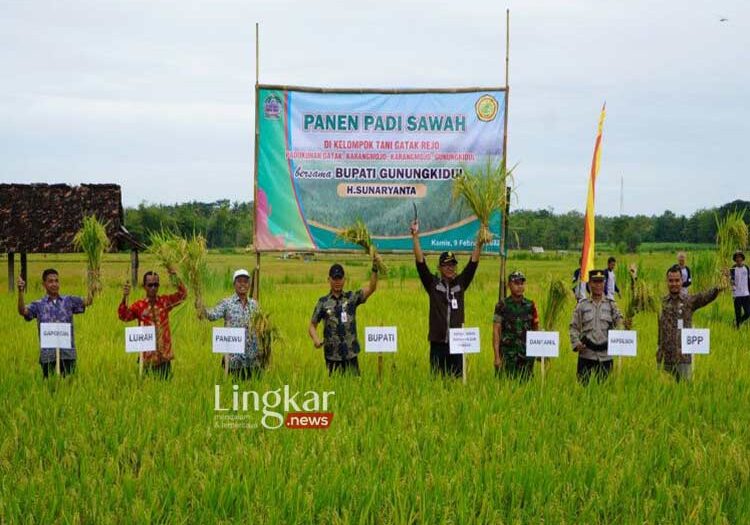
pixel 240 273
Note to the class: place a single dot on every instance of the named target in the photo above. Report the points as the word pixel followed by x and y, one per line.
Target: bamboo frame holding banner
pixel 505 222
pixel 394 91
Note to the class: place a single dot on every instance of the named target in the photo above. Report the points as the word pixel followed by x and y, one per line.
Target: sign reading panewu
pixel 327 158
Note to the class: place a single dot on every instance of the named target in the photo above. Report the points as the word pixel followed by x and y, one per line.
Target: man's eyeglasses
pixel 152 285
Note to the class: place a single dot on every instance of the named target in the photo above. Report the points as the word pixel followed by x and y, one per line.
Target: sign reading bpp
pixel 696 340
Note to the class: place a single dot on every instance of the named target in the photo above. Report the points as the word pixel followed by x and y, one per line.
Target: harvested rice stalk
pixel 194 267
pixel 93 241
pixel 168 248
pixel 557 296
pixel 642 298
pixel 267 333
pixel 483 190
pixel 358 234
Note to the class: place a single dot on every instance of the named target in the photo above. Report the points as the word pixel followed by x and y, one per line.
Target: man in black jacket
pixel 446 292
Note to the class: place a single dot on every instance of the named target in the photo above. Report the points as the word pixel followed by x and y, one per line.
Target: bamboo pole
pixel 504 227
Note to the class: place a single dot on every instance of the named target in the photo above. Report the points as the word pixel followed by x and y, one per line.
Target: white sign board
pixel 229 340
pixel 140 339
pixel 381 339
pixel 696 340
pixel 55 335
pixel 622 342
pixel 464 340
pixel 542 344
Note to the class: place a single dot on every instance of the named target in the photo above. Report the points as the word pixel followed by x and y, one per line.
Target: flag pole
pixel 504 219
pixel 256 272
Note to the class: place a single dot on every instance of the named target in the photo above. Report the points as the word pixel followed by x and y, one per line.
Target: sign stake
pixel 57 361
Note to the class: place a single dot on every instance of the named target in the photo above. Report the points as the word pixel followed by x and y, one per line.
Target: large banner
pixel 328 158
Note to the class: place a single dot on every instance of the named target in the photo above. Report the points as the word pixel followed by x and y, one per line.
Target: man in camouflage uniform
pixel 338 310
pixel 514 316
pixel 677 313
pixel 593 317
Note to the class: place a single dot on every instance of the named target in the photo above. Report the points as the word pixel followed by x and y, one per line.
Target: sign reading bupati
pixel 381 339
pixel 328 158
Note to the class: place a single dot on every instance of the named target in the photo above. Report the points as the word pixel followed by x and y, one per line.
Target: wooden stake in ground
pixel 57 361
pixel 140 365
pixel 226 366
pixel 543 367
pixel 380 367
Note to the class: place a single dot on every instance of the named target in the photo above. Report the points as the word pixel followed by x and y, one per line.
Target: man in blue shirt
pixel 54 308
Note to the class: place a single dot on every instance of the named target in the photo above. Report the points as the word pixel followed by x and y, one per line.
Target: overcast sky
pixel 157 96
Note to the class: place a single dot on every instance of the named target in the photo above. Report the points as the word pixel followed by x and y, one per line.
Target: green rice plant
pixel 483 190
pixel 554 302
pixel 267 334
pixel 358 234
pixel 93 241
pixel 194 267
pixel 731 235
pixel 168 248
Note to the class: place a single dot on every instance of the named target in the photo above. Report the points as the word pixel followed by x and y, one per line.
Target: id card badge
pixel 344 317
pixel 454 304
pixel 680 324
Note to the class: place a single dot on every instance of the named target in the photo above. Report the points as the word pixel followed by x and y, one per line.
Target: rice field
pixel 105 446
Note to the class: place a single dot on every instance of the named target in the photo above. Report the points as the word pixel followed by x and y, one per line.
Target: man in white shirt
pixel 610 284
pixel 740 275
pixel 687 278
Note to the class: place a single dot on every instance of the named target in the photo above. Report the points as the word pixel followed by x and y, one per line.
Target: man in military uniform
pixel 446 292
pixel 338 311
pixel 593 317
pixel 514 316
pixel 677 313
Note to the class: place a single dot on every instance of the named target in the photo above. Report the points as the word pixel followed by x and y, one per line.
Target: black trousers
pixel 67 366
pixel 347 366
pixel 443 363
pixel 741 310
pixel 588 367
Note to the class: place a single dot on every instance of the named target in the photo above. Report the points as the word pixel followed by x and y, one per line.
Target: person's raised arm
pixel 369 289
pixel 477 249
pixel 418 254
pixel 22 310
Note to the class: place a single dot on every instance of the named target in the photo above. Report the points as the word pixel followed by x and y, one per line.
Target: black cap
pixel 596 275
pixel 447 258
pixel 738 254
pixel 336 271
pixel 517 276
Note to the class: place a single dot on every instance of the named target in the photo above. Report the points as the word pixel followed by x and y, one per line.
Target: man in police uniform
pixel 593 317
pixel 514 316
pixel 446 293
pixel 338 311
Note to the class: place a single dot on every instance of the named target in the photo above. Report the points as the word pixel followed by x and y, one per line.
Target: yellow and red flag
pixel 587 256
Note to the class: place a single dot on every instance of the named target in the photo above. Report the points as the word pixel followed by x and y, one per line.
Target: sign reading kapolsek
pixel 381 339
pixel 55 335
pixel 622 342
pixel 228 340
pixel 326 158
pixel 140 339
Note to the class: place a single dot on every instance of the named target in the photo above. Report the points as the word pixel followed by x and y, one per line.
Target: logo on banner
pixel 486 108
pixel 272 107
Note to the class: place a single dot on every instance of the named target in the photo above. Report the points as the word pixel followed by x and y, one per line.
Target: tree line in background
pixel 227 224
